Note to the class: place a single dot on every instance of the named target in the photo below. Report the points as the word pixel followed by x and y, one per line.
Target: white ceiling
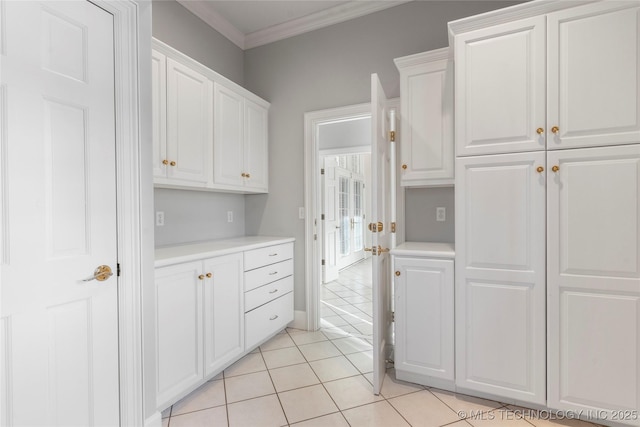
pixel 251 23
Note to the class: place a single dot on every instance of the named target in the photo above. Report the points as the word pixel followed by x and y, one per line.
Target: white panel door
pixel 500 88
pixel 331 222
pixel 223 311
pixel 500 275
pixel 189 124
pixel 426 146
pixel 256 153
pixel 382 172
pixel 594 280
pixel 60 334
pixel 228 155
pixel 594 69
pixel 159 113
pixel 179 331
pixel 424 317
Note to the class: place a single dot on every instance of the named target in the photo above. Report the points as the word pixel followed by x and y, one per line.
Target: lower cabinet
pixel 424 321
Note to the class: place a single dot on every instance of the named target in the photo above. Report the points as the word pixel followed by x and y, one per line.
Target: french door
pixel 351 199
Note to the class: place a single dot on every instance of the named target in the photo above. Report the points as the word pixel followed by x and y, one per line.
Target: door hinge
pixel 322 171
pixel 322 217
pixel 118 270
pixel 315 237
pixel 393 316
pixel 393 227
pixel 322 262
pixel 392 135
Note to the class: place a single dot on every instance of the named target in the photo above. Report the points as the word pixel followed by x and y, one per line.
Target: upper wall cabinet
pixel 203 140
pixel 240 147
pixel 426 97
pixel 562 80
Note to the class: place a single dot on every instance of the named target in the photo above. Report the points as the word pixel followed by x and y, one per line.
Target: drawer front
pixel 268 319
pixel 269 255
pixel 270 273
pixel 266 293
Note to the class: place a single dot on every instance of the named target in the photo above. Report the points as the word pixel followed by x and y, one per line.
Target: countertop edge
pixel 202 250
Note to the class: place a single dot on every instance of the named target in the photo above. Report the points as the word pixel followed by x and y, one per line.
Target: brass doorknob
pixel 201 277
pixel 381 249
pixel 244 175
pixel 540 169
pixel 172 163
pixel 555 168
pixel 555 129
pixel 209 275
pixel 404 167
pixel 100 274
pixel 248 175
pixel 165 162
pixel 397 273
pixel 539 131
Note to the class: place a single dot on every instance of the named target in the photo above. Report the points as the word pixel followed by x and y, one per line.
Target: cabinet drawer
pixel 268 319
pixel 266 293
pixel 270 273
pixel 269 255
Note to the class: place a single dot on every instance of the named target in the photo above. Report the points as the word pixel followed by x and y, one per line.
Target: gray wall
pixel 351 133
pixel 194 215
pixel 420 214
pixel 329 68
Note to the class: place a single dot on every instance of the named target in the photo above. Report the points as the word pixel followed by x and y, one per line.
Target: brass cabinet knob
pixel 404 167
pixel 248 175
pixel 209 275
pixel 201 277
pixel 555 168
pixel 244 175
pixel 539 131
pixel 555 129
pixel 540 169
pixel 172 163
pixel 397 273
pixel 165 162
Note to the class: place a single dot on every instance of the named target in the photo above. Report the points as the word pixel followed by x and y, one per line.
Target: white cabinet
pixel 240 142
pixel 563 80
pixel 594 281
pixel 268 292
pixel 200 329
pixel 182 123
pixel 426 138
pixel 208 132
pixel 500 275
pixel 424 320
pixel 178 329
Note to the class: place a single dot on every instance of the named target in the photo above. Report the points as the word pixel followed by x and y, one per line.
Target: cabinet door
pixel 500 88
pixel 189 125
pixel 424 317
pixel 256 152
pixel 594 280
pixel 426 146
pixel 500 275
pixel 178 333
pixel 228 155
pixel 593 81
pixel 223 311
pixel 159 112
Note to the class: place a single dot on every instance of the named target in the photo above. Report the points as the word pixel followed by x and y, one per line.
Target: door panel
pixel 256 152
pixel 228 156
pixel 594 296
pixel 500 275
pixel 331 220
pixel 500 88
pixel 159 112
pixel 382 183
pixel 594 64
pixel 60 334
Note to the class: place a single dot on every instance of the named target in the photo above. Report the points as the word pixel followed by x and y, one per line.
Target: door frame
pixel 134 197
pixel 313 200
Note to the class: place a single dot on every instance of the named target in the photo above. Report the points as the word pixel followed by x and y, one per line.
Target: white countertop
pixel 175 254
pixel 425 249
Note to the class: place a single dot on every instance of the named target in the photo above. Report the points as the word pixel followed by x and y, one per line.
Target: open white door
pixel 331 220
pixel 381 204
pixel 58 320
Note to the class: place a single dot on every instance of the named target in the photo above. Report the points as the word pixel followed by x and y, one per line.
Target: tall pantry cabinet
pixel 547 182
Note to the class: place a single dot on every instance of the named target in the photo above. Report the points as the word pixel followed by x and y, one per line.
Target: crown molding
pixel 325 18
pixel 215 21
pixel 422 58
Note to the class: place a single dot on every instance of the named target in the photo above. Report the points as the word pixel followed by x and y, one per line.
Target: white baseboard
pixel 299 320
pixel 154 420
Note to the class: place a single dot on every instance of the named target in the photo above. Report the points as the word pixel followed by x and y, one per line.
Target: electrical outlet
pixel 441 214
pixel 229 216
pixel 159 218
pixel 300 213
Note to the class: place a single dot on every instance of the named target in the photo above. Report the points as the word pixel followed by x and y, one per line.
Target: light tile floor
pixel 323 379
